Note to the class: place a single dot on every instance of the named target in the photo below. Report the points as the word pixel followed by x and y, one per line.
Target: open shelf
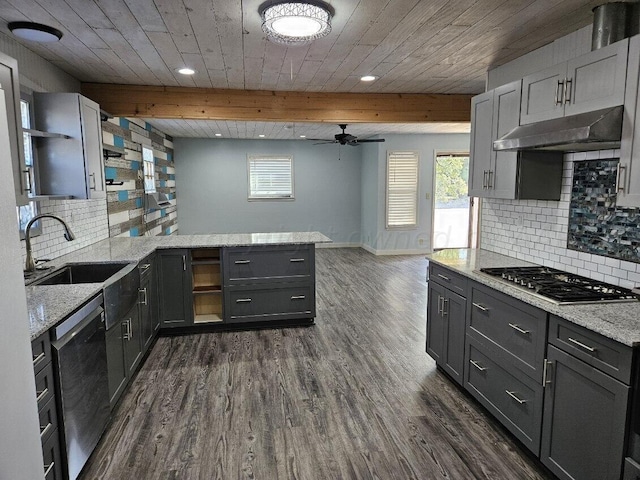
pixel 208 318
pixel 205 261
pixel 207 289
pixel 207 285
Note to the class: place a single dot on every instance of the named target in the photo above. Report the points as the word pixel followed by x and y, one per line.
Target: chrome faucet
pixel 30 265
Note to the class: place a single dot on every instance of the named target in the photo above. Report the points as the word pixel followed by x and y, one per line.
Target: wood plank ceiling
pixel 413 46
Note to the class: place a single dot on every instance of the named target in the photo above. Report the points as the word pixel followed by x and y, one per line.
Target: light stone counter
pixel 49 304
pixel 618 321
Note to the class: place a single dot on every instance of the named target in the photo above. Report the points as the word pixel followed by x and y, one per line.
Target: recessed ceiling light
pixel 295 23
pixel 262 135
pixel 185 71
pixel 303 136
pixel 218 134
pixel 35 32
pixel 368 78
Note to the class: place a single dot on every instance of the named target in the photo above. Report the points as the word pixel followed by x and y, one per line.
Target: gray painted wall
pixel 211 184
pixel 369 197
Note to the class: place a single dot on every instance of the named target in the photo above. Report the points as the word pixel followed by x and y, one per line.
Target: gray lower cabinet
pixel 116 368
pixel 132 340
pixel 631 470
pixel 446 318
pixel 174 288
pixel 149 322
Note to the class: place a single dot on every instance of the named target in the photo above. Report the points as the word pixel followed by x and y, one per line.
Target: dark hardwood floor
pixel 353 397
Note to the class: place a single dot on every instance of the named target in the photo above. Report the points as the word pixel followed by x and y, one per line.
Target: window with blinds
pixel 271 177
pixel 402 189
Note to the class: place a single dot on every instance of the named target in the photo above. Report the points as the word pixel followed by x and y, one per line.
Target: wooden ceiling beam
pixel 277 106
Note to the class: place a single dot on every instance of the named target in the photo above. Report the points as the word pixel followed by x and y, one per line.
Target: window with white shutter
pixel 402 190
pixel 271 177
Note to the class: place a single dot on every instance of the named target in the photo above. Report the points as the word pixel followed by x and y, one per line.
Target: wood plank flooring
pixel 353 397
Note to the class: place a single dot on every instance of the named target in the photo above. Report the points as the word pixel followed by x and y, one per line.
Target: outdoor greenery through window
pixel 402 189
pixel 270 177
pixel 452 211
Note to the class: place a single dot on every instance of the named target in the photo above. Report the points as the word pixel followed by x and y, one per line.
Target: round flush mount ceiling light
pixel 185 71
pixel 368 78
pixel 295 23
pixel 35 32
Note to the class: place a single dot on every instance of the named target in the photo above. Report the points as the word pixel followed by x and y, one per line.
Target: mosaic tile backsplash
pixel 596 225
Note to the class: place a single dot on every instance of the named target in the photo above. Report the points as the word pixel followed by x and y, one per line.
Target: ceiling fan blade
pixel 369 140
pixel 320 139
pixel 325 142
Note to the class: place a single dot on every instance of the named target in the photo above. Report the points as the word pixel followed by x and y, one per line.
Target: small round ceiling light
pixel 185 71
pixel 303 136
pixel 296 23
pixel 262 135
pixel 368 78
pixel 35 32
pixel 218 134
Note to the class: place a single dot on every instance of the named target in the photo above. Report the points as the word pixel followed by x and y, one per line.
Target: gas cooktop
pixel 561 287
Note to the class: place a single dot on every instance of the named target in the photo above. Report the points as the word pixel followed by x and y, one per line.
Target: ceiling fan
pixel 345 138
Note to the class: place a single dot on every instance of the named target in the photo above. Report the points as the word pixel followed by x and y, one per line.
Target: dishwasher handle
pixel 80 318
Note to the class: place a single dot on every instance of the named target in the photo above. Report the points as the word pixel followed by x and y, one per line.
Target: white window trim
pixel 152 163
pixel 279 198
pixel 413 226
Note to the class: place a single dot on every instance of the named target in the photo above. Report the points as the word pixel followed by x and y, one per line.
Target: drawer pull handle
pixel 42 394
pixel 296 259
pixel 298 297
pixel 48 468
pixel 444 277
pixel 243 300
pixel 581 345
pixel 518 329
pixel 145 266
pixel 477 365
pixel 145 301
pixel 44 430
pixel 242 262
pixel 515 397
pixel 545 372
pixel 38 358
pixel 480 307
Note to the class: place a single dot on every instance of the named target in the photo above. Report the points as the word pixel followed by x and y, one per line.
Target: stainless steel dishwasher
pixel 80 356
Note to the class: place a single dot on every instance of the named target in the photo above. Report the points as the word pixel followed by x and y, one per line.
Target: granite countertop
pixel 47 305
pixel 618 321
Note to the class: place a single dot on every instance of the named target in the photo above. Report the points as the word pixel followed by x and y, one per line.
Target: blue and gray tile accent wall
pixel 128 211
pixel 596 224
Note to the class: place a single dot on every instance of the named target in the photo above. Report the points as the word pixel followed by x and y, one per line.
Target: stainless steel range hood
pixel 598 130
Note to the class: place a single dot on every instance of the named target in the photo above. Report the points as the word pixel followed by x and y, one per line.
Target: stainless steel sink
pixel 82 273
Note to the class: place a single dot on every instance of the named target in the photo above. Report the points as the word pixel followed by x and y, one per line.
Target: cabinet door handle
pixel 92 176
pixel 27 180
pixel 42 394
pixel 130 329
pixel 559 90
pixel 242 262
pixel 568 84
pixel 440 304
pixel 489 179
pixel 125 335
pixel 48 469
pixel 621 181
pixel 243 300
pixel 545 374
pixel 485 183
pixel 477 365
pixel 298 297
pixel 296 260
pixel 143 290
pixel 445 307
pixel 444 277
pixel 145 266
pixel 518 329
pixel 480 307
pixel 184 263
pixel 45 429
pixel 581 345
pixel 515 397
pixel 38 358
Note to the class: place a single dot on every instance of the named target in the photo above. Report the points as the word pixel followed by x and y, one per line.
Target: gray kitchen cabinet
pixel 149 323
pixel 269 283
pixel 590 82
pixel 10 86
pixel 175 304
pixel 116 368
pixel 628 182
pixel 446 318
pixel 631 470
pixel 502 174
pixel 584 425
pixel 72 165
pixel 132 340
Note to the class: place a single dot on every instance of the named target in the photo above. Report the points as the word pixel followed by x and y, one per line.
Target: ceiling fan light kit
pixel 295 23
pixel 34 32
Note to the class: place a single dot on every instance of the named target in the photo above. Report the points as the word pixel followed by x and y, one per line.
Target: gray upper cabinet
pixel 9 83
pixel 628 185
pixel 74 165
pixel 506 116
pixel 481 149
pixel 589 82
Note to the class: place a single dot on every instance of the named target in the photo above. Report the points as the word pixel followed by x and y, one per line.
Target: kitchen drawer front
pixel 511 326
pixel 48 420
pixel 447 278
pixel 270 303
pixel 45 385
pixel 264 264
pixel 603 353
pixel 52 457
pixel 631 470
pixel 515 400
pixel 41 350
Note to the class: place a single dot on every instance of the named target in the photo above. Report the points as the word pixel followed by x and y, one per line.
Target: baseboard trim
pixel 372 250
pixel 338 245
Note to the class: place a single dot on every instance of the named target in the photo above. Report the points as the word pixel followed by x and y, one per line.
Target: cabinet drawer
pixel 263 264
pixel 48 419
pixel 603 353
pixel 271 303
pixel 45 385
pixel 511 326
pixel 52 457
pixel 631 470
pixel 41 350
pixel 453 281
pixel 515 401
